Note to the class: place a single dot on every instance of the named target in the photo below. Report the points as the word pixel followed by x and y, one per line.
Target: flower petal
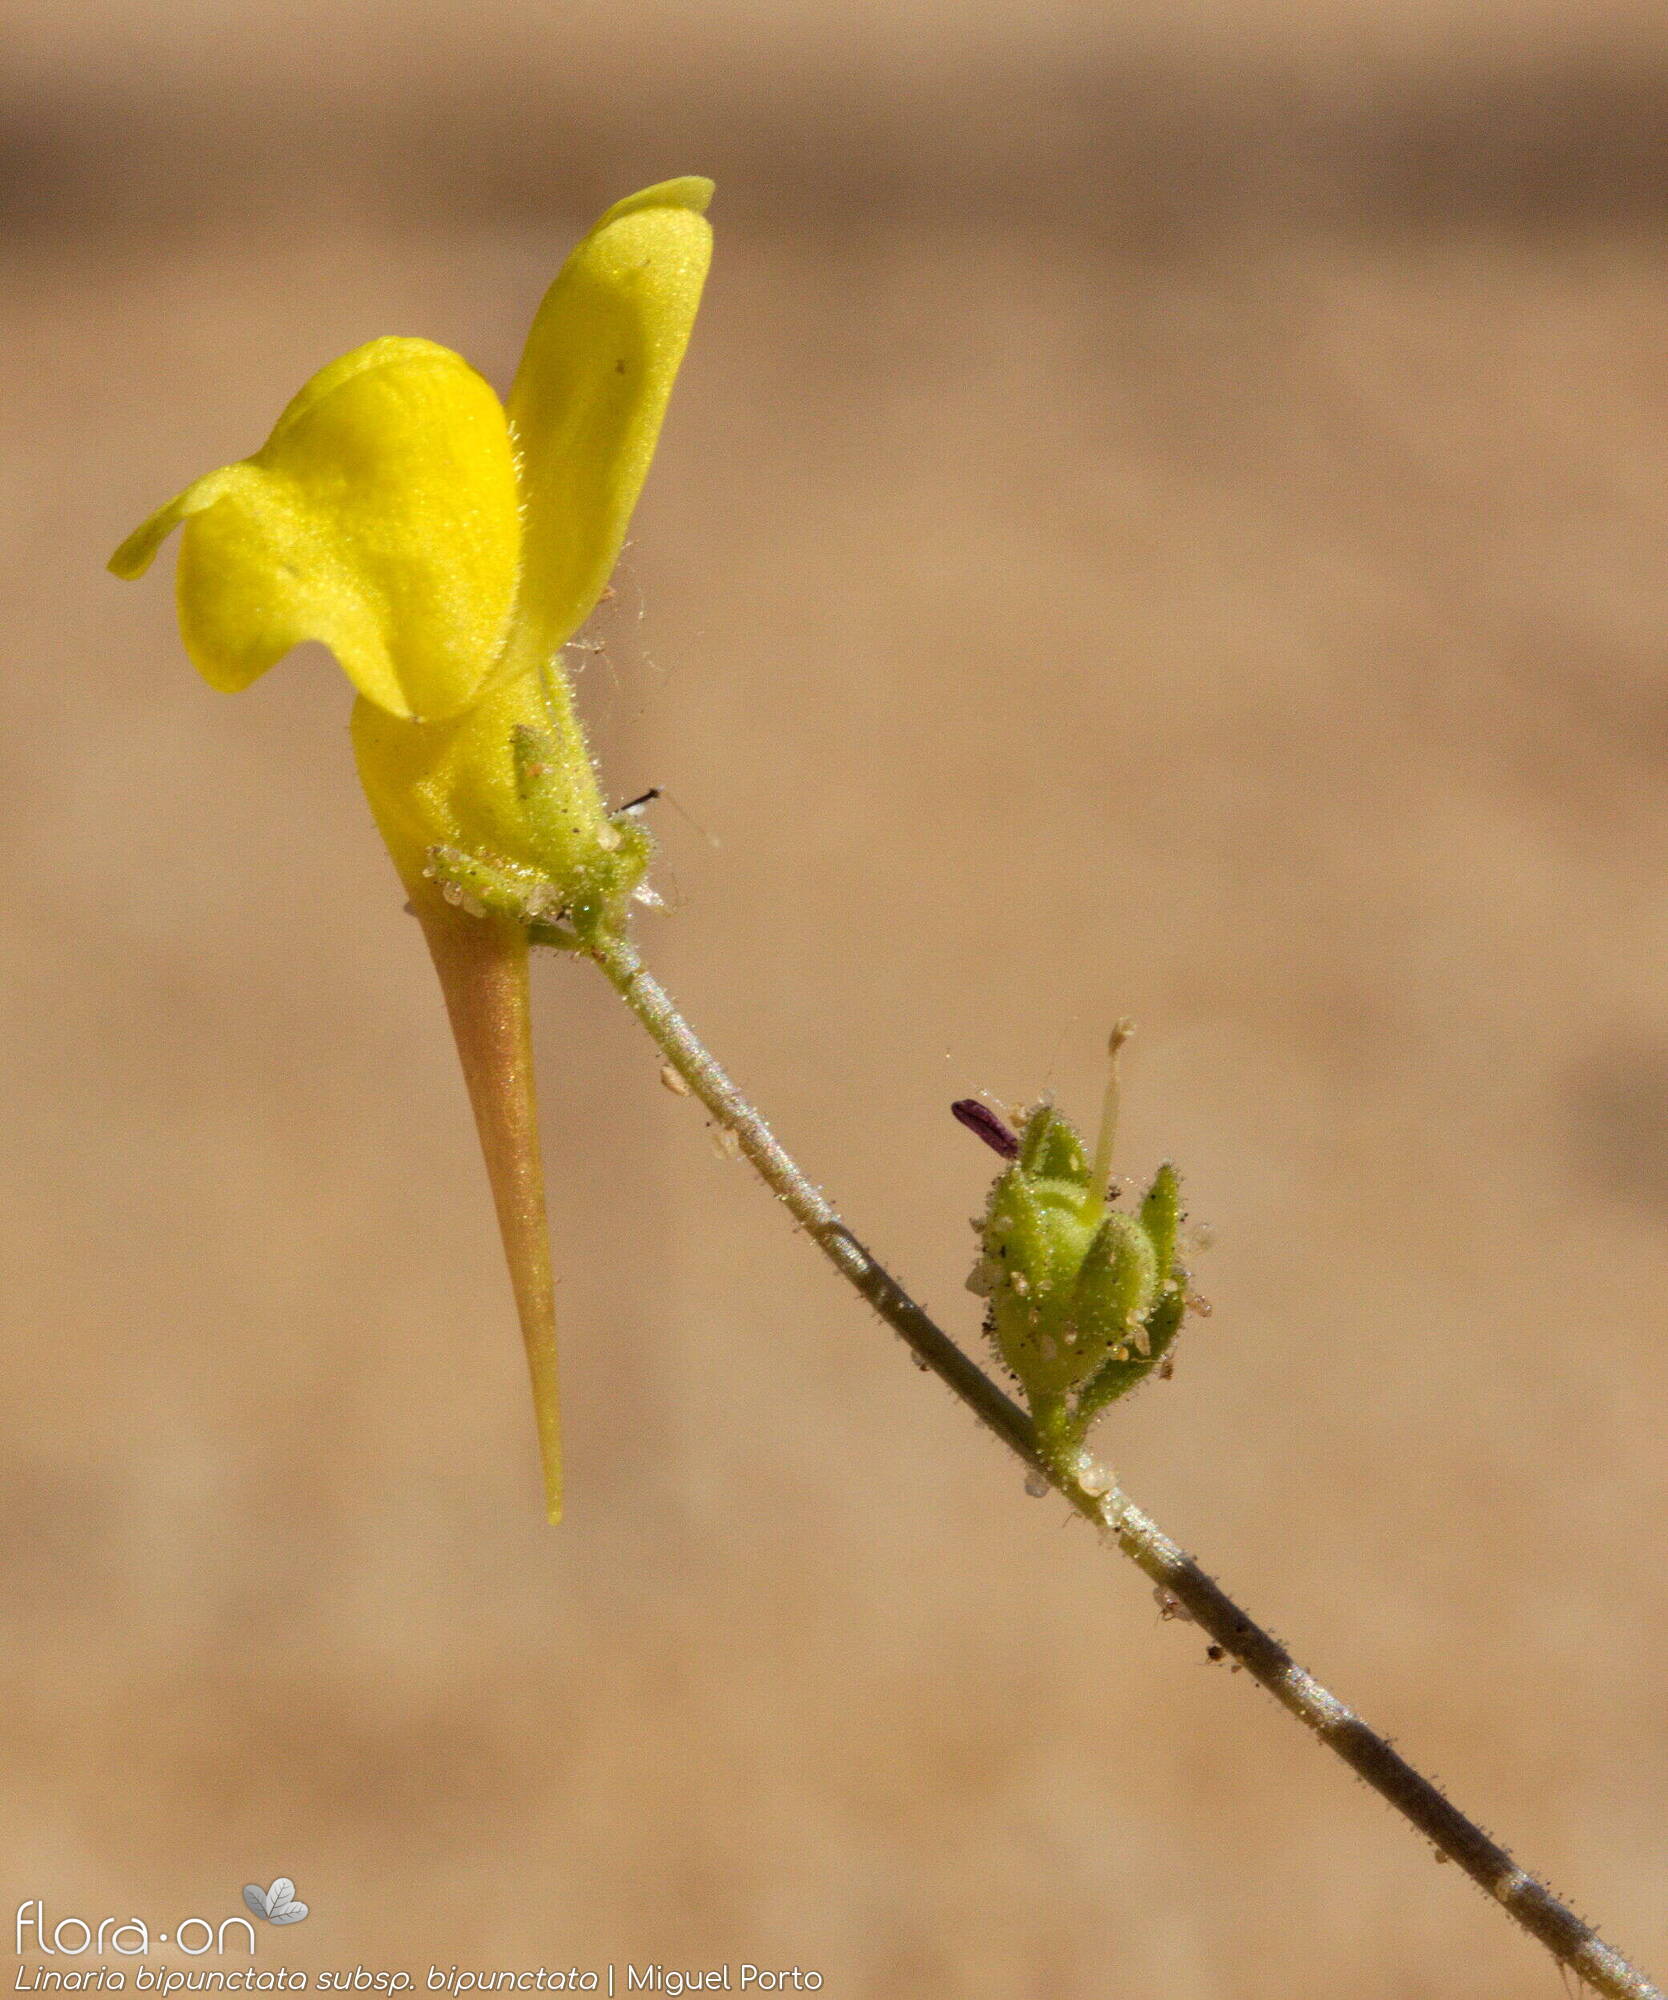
pixel 588 401
pixel 380 517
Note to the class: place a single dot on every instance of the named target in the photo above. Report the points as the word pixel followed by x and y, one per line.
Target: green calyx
pixel 582 866
pixel 1085 1298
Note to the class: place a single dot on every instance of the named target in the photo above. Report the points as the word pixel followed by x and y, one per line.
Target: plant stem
pixel 1093 1495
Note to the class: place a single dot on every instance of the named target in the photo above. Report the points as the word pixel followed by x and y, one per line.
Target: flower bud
pixel 1084 1297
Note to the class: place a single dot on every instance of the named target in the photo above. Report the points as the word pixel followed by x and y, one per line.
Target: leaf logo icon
pixel 276 1905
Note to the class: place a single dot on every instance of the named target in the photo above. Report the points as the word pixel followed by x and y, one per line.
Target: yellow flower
pixel 446 548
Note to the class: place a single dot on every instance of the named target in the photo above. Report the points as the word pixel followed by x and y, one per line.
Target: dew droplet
pixel 1094 1478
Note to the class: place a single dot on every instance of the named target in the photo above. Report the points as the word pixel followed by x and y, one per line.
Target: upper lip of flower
pixel 439 542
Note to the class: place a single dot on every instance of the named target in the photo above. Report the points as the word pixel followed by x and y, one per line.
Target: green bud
pixel 1035 1236
pixel 1118 1283
pixel 1085 1299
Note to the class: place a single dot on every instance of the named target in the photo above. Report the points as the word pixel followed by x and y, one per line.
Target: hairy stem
pixel 1093 1496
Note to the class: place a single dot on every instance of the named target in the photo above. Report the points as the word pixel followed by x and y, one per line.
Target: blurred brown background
pixel 1166 513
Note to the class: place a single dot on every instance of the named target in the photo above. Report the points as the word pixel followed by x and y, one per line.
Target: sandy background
pixel 1166 514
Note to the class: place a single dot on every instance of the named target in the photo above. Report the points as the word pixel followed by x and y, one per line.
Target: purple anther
pixel 981 1119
